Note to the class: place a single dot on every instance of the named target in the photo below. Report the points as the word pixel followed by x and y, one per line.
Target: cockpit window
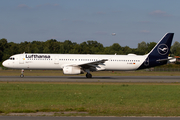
pixel 11 58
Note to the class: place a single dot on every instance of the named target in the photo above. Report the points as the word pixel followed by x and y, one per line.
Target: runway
pixel 95 79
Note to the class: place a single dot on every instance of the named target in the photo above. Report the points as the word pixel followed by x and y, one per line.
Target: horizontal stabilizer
pixel 169 58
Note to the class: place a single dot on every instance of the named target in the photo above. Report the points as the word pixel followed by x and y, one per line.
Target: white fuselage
pixel 80 63
pixel 58 61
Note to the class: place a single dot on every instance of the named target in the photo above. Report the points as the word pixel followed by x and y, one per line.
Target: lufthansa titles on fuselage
pixel 38 56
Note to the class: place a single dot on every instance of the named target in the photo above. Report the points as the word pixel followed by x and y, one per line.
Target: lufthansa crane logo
pixel 163 49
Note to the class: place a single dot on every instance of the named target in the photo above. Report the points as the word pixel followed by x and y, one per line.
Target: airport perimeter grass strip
pixel 93 99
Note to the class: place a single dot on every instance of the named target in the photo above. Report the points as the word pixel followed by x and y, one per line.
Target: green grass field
pixel 97 99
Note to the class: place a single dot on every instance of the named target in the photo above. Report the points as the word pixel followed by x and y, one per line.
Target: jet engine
pixel 72 70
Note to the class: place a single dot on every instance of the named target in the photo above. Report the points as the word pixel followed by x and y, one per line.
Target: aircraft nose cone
pixel 5 64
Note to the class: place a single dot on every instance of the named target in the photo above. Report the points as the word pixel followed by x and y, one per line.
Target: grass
pixel 99 73
pixel 97 99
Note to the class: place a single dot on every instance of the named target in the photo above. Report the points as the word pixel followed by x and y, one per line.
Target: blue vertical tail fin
pixel 159 54
pixel 162 48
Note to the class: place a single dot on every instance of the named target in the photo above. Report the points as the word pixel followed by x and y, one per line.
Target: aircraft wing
pixel 92 66
pixel 93 63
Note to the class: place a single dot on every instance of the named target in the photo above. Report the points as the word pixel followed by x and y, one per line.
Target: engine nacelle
pixel 71 70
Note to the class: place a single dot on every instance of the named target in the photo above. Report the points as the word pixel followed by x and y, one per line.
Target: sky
pixel 127 22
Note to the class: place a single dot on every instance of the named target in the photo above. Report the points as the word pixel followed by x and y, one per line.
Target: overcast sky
pixel 133 21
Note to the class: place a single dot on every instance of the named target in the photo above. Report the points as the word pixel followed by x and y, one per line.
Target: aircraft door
pixel 56 60
pixel 21 59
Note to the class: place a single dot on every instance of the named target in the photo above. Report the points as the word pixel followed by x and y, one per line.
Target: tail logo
pixel 162 49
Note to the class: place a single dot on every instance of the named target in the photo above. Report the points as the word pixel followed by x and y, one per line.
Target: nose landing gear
pixel 22 73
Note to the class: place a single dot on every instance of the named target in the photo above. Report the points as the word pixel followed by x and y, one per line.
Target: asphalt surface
pixel 100 79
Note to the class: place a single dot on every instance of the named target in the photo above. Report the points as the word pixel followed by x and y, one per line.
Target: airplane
pixel 74 64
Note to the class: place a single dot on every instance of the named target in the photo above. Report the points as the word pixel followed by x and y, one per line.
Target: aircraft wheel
pixel 88 75
pixel 21 75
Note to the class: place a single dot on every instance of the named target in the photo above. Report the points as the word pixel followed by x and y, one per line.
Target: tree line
pixel 67 47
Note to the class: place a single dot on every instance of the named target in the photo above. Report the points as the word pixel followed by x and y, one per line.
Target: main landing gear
pixel 88 75
pixel 22 73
